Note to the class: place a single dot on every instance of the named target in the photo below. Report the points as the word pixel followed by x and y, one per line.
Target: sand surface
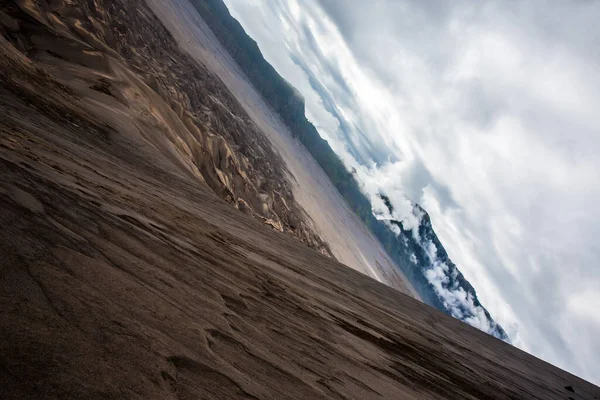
pixel 124 275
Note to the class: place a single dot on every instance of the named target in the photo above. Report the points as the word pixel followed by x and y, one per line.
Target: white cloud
pixel 486 114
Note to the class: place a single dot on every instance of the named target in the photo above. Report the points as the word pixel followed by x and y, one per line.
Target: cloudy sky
pixel 485 113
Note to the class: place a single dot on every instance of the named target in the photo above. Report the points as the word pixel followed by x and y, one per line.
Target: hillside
pixel 127 273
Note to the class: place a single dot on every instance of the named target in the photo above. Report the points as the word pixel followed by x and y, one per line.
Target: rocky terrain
pixel 125 274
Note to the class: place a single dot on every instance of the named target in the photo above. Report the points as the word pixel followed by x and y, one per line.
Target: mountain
pixel 452 294
pixel 457 295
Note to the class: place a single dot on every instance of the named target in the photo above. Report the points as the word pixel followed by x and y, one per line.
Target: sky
pixel 487 114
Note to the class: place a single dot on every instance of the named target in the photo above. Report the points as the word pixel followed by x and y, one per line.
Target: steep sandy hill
pixel 124 273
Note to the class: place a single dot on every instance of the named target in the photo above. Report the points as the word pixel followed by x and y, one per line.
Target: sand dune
pixel 125 274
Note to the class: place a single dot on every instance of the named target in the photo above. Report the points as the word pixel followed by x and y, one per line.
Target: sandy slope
pixel 128 56
pixel 123 274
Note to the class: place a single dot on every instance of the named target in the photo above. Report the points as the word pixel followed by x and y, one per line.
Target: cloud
pixel 485 113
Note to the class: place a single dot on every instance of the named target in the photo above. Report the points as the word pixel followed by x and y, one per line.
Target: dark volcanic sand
pixel 123 275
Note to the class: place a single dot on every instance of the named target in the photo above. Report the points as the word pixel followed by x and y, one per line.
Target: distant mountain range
pixel 417 252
